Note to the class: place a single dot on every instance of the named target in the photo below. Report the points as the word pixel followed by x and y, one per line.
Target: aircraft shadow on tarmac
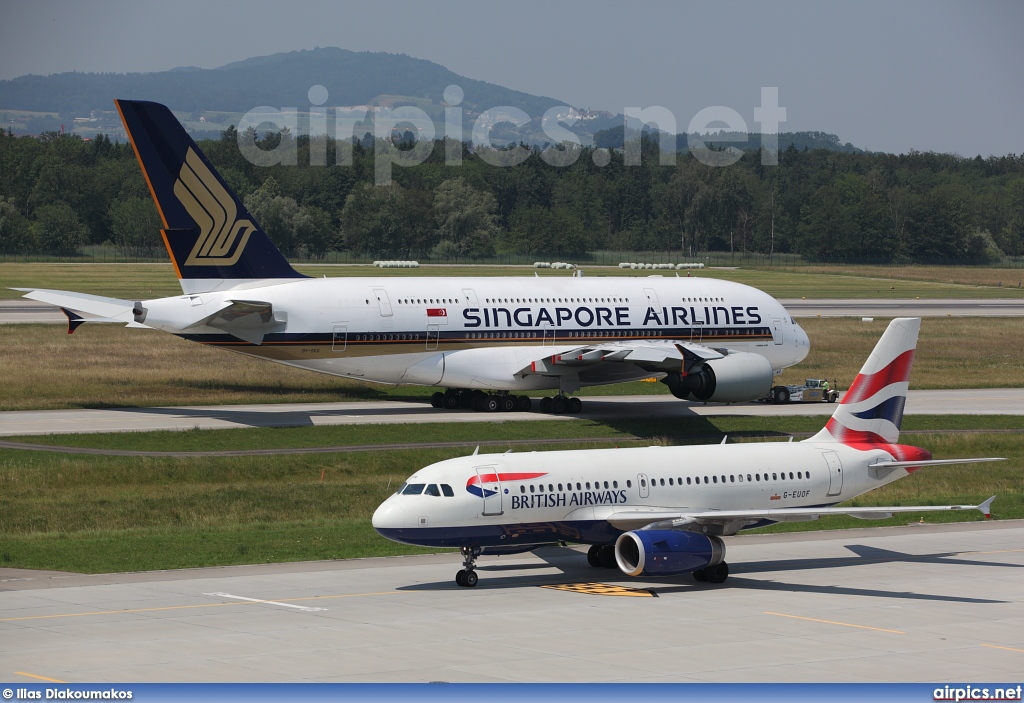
pixel 573 566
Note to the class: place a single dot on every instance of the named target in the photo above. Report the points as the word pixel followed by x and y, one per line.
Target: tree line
pixel 59 193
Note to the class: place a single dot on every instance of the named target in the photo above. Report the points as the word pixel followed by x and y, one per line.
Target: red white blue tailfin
pixel 871 411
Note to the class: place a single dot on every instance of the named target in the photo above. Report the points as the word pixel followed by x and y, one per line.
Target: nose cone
pixel 389 516
pixel 803 344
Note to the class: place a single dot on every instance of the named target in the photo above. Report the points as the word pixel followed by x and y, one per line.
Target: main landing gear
pixel 467 577
pixel 713 574
pixel 480 401
pixel 602 556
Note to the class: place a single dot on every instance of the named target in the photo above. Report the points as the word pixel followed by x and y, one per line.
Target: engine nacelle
pixel 735 378
pixel 666 552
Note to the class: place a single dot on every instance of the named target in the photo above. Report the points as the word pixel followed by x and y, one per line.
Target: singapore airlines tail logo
pixel 222 237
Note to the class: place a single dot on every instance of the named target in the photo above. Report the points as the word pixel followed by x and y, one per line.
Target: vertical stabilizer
pixel 872 409
pixel 209 234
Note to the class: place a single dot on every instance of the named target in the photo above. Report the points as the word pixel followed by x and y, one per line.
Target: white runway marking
pixel 266 602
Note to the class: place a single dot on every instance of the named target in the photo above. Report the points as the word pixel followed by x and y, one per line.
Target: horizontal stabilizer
pixel 931 462
pixel 249 320
pixel 111 309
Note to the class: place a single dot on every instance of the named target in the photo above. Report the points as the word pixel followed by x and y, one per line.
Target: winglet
pixel 986 508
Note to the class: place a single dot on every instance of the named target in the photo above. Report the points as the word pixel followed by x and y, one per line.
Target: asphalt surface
pixel 21 310
pixel 928 603
pixel 987 401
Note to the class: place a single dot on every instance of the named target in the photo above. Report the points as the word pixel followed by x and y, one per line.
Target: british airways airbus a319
pixel 659 511
pixel 485 340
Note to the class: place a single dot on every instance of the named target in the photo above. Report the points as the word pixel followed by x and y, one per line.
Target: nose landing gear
pixel 467 577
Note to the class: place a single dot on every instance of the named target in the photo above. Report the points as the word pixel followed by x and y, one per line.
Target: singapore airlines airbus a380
pixel 659 511
pixel 483 339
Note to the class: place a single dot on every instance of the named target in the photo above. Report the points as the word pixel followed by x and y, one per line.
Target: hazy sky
pixel 893 76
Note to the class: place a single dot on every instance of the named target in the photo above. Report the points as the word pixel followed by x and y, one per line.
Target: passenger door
pixel 491 491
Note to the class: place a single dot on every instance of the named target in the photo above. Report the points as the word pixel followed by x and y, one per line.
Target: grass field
pixel 111 366
pixel 135 281
pixel 100 514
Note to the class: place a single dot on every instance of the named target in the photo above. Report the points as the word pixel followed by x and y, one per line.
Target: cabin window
pixel 559 486
pixel 432 490
pixel 629 484
pixel 606 484
pixel 579 486
pixel 661 482
pixel 643 483
pixel 615 484
pixel 790 475
pixel 413 489
pixel 799 474
pixel 715 479
pixel 774 477
pixel 588 485
pixel 687 480
pixel 447 491
pixel 522 489
pixel 732 479
pixel 741 478
pixel 670 482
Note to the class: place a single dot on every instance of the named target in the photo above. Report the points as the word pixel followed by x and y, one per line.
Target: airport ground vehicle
pixel 813 390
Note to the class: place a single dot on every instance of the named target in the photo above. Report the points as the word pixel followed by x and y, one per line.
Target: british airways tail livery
pixel 482 339
pixel 659 511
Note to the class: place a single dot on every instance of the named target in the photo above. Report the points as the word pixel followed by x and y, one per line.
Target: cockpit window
pixel 447 490
pixel 401 488
pixel 432 490
pixel 413 489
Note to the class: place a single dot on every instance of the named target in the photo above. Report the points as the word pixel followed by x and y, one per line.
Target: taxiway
pixel 935 603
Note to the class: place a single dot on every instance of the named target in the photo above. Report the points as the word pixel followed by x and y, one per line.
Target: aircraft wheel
pixel 545 405
pixel 437 400
pixel 608 557
pixel 508 403
pixel 594 556
pixel 451 401
pixel 523 403
pixel 558 405
pixel 491 404
pixel 460 578
pixel 700 575
pixel 470 579
pixel 718 573
pixel 575 406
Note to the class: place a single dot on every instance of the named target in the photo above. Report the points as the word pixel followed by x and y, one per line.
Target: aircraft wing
pixel 650 355
pixel 732 520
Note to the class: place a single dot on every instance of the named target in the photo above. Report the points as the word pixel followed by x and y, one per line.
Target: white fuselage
pixel 509 499
pixel 478 332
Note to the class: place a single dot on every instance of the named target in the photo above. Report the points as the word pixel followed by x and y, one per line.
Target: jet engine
pixel 666 552
pixel 735 378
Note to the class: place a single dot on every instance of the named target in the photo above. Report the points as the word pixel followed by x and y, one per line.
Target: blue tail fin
pixel 207 230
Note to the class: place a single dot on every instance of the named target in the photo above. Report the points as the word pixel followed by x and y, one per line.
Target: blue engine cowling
pixel 666 552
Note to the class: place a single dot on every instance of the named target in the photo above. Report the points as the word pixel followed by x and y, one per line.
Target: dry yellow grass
pixel 108 365
pixel 957 352
pixel 958 275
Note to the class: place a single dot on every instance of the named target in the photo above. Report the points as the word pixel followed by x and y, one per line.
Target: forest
pixel 60 193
